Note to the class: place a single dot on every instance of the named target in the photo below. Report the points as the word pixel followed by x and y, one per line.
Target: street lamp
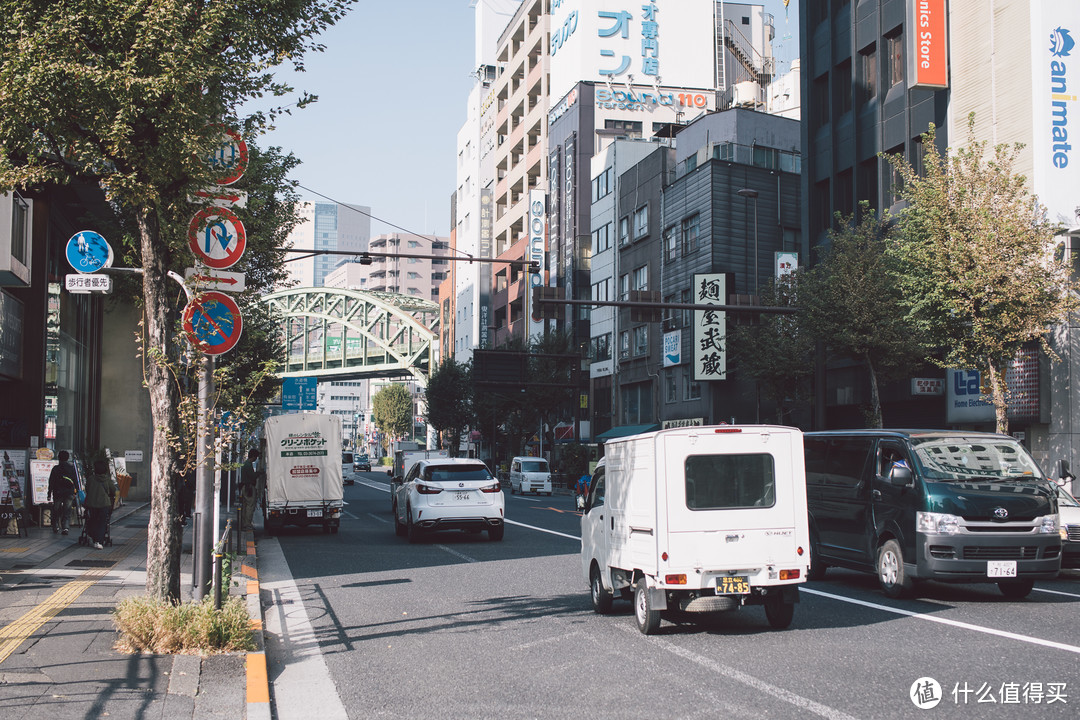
pixel 753 195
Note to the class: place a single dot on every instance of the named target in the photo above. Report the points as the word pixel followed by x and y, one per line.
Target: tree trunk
pixel 163 535
pixel 998 392
pixel 875 420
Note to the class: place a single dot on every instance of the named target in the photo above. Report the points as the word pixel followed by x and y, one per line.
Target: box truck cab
pixel 951 506
pixel 698 520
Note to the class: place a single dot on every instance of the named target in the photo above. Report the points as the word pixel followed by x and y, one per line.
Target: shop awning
pixel 624 430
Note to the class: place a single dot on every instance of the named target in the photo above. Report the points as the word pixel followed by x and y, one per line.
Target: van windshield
pixel 959 459
pixel 723 482
pixel 534 466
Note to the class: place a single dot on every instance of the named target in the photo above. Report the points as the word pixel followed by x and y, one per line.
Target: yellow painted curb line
pixel 258 688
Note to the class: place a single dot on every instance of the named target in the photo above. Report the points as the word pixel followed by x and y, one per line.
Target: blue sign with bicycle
pixel 88 252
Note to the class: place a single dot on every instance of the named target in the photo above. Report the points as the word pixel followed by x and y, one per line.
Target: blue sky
pixel 392 85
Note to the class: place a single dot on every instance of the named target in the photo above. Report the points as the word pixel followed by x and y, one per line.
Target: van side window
pixel 720 482
pixel 847 459
pixel 596 491
pixel 889 454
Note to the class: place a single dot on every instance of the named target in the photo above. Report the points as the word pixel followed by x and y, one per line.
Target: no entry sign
pixel 212 322
pixel 217 237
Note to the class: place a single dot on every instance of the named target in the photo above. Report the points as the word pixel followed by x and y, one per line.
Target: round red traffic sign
pixel 217 237
pixel 212 322
pixel 230 159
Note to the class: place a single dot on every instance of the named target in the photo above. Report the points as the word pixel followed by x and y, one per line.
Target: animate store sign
pixel 623 42
pixel 1055 27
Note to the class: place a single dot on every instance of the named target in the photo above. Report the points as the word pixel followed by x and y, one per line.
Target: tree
pixel 551 392
pixel 449 400
pixel 976 260
pixel 127 94
pixel 851 300
pixel 777 351
pixel 392 411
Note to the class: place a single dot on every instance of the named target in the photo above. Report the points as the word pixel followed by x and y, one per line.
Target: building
pixel 326 226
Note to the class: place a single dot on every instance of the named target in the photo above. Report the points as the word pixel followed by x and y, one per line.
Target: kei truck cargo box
pixel 303 472
pixel 698 520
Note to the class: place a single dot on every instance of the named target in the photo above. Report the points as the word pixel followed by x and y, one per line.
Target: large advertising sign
pixel 710 327
pixel 605 40
pixel 1055 27
pixel 927 44
pixel 537 234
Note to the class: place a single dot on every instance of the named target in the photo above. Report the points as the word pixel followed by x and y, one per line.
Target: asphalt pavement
pixel 58 657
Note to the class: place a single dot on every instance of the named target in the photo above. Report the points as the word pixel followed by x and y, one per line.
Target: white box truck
pixel 303 472
pixel 698 520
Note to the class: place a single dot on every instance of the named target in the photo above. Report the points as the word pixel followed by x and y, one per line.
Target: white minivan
pixel 698 520
pixel 530 474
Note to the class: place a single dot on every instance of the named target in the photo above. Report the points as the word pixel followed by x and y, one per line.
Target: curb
pixel 258 683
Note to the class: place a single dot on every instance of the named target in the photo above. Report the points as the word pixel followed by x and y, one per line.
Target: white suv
pixel 448 494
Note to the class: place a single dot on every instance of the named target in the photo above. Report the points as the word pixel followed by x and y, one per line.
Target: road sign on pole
pixel 207 279
pixel 217 237
pixel 230 159
pixel 88 252
pixel 213 323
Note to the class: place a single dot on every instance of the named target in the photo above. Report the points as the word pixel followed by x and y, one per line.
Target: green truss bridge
pixel 333 333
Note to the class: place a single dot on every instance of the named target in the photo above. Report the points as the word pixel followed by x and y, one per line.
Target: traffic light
pixel 546 310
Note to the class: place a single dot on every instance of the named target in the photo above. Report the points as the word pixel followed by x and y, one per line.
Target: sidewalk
pixel 57 655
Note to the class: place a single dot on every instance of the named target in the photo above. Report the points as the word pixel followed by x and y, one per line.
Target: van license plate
pixel 314 513
pixel 1001 568
pixel 736 585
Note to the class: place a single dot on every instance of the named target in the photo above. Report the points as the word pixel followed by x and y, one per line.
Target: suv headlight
pixel 937 523
pixel 1048 524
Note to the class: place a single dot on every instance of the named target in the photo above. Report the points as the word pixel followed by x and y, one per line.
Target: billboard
pixel 710 327
pixel 927 44
pixel 1055 26
pixel 604 41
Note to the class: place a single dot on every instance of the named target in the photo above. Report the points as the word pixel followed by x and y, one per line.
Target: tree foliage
pixel 851 301
pixel 976 263
pixel 129 94
pixel 778 351
pixel 449 400
pixel 392 412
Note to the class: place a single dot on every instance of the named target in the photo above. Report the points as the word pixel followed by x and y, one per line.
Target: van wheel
pixel 1016 590
pixel 890 570
pixel 647 616
pixel 601 596
pixel 778 612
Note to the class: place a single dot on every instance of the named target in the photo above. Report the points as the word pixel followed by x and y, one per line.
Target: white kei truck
pixel 689 522
pixel 303 472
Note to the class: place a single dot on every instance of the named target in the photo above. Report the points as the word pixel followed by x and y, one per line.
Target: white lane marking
pixel 1057 592
pixel 346 512
pixel 946 621
pixel 532 499
pixel 779 693
pixel 455 553
pixel 303 687
pixel 551 532
pixel 373 486
pixel 373 516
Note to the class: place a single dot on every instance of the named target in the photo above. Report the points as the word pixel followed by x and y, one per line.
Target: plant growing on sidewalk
pixel 148 624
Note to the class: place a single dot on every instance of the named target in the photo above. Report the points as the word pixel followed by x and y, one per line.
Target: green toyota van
pixel 951 506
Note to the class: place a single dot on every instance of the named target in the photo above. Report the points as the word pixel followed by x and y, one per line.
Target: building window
pixel 895 179
pixel 628 128
pixel 690 234
pixel 687 315
pixel 845 192
pixel 671 388
pixel 820 209
pixel 601 347
pixel 414 244
pixel 691 387
pixel 867 179
pixel 842 87
pixel 624 345
pixel 601 290
pixel 641 278
pixel 624 231
pixel 601 185
pixel 641 222
pixel 819 102
pixel 894 45
pixel 691 163
pixel 624 286
pixel 602 238
pixel 868 79
pixel 641 340
pixel 671 248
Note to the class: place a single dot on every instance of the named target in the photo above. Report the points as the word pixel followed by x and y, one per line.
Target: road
pixel 461 627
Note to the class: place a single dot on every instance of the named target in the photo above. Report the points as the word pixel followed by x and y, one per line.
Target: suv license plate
pixel 314 513
pixel 462 495
pixel 1001 568
pixel 737 585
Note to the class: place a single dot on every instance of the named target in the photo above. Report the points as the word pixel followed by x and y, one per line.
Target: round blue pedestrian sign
pixel 212 322
pixel 88 252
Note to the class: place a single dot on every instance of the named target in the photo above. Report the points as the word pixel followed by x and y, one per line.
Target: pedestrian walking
pixel 62 487
pixel 100 496
pixel 252 479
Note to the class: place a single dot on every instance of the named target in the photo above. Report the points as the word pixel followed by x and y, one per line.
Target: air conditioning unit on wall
pixel 16 220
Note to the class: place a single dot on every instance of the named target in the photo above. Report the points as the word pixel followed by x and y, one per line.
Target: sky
pixel 393 84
